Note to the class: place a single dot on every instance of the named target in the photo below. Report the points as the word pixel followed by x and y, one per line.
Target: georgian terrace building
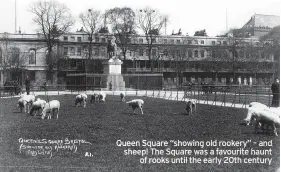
pixel 179 58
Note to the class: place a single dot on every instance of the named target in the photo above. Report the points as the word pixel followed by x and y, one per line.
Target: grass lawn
pixel 102 124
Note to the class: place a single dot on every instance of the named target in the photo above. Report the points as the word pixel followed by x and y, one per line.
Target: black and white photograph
pixel 139 86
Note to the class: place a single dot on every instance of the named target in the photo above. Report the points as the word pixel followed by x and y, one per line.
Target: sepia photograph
pixel 143 85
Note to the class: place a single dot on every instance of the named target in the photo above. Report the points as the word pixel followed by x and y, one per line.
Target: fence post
pixel 198 95
pixel 256 93
pixel 239 96
pixel 269 105
pixel 177 93
pixel 224 97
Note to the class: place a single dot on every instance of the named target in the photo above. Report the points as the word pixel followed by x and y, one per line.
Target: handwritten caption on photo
pixel 200 152
pixel 47 147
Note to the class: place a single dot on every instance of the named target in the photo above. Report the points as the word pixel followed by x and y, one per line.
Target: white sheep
pixel 25 101
pixel 190 107
pixel 37 105
pixel 136 103
pixel 51 107
pixel 262 116
pixel 122 96
pixel 102 96
pixel 257 105
pixel 81 98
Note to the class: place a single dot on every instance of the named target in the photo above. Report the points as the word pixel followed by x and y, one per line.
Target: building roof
pixel 261 20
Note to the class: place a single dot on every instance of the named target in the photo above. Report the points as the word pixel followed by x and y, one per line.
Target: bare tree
pixel 122 21
pixel 271 43
pixel 91 21
pixel 53 20
pixel 218 60
pixel 4 52
pixel 150 22
pixel 12 59
pixel 178 56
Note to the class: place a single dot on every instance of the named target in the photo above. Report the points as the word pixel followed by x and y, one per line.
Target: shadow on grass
pixel 183 114
pixel 131 114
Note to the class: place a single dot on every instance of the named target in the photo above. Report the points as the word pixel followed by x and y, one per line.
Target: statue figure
pixel 111 48
pixel 179 32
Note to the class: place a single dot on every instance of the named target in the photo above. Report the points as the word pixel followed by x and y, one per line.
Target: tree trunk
pixel 50 63
pixel 152 66
pixel 124 63
pixel 216 78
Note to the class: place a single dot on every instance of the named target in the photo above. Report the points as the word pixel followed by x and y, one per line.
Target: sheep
pixel 25 101
pixel 190 107
pixel 94 97
pixel 136 103
pixel 262 106
pixel 102 96
pixel 122 96
pixel 81 98
pixel 22 104
pixel 257 105
pixel 51 107
pixel 262 116
pixel 37 105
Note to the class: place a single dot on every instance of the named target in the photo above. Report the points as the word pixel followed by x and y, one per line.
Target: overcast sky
pixel 189 15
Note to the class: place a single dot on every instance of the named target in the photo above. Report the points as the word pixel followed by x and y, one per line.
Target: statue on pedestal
pixel 111 48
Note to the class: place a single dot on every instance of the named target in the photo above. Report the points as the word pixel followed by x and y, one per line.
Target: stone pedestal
pixel 112 78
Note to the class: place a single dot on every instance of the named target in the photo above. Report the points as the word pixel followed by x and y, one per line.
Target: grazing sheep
pixel 51 107
pixel 81 98
pixel 122 96
pixel 37 105
pixel 262 124
pixel 262 116
pixel 190 107
pixel 25 101
pixel 22 105
pixel 257 105
pixel 136 103
pixel 94 97
pixel 102 96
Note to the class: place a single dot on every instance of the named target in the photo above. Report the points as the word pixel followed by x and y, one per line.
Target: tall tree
pixel 91 21
pixel 11 59
pixel 255 59
pixel 217 58
pixel 4 52
pixel 53 19
pixel 272 43
pixel 151 23
pixel 122 21
pixel 178 57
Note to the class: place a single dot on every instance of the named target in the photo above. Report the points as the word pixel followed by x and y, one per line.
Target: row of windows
pixel 79 39
pixel 15 56
pixel 141 40
pixel 190 53
pixel 78 51
pixel 178 41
